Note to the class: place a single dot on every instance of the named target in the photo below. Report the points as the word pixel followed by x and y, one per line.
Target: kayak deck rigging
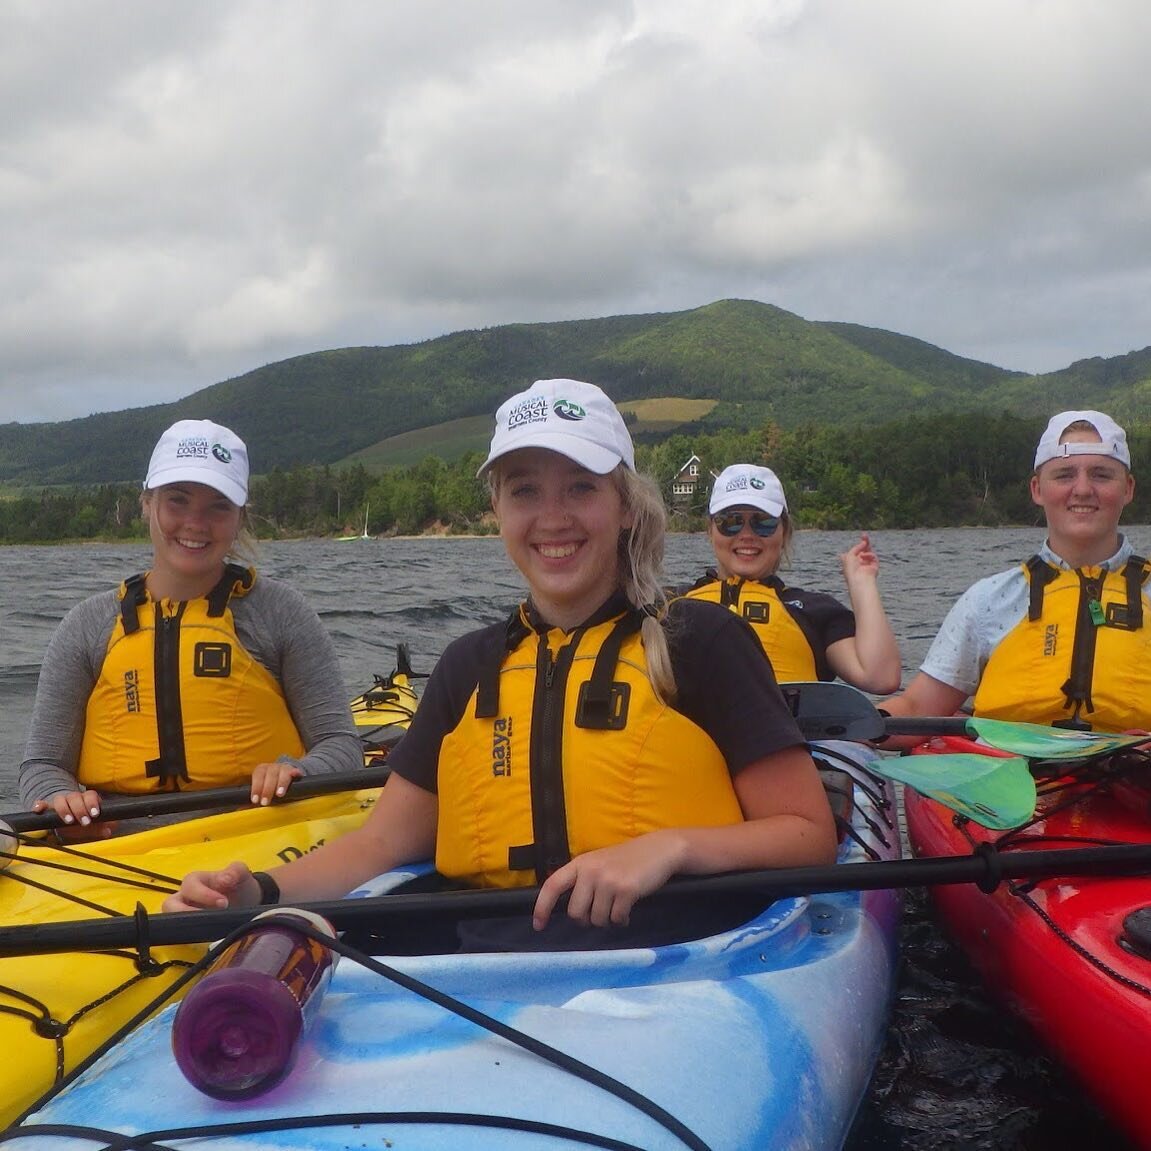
pixel 571 1014
pixel 1060 792
pixel 1069 955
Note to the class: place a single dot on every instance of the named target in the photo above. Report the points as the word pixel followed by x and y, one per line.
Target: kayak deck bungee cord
pixel 1072 956
pixel 55 1009
pixel 790 1007
pixel 764 1035
pixel 383 712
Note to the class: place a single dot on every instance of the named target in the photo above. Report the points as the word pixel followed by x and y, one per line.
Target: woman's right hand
pixel 272 780
pixel 215 890
pixel 72 806
pixel 76 810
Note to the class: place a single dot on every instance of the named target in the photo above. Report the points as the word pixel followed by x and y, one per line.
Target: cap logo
pixel 192 448
pixel 566 410
pixel 757 483
pixel 221 453
pixel 533 410
pixel 736 484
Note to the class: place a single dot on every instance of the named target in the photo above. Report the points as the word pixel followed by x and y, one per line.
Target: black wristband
pixel 269 888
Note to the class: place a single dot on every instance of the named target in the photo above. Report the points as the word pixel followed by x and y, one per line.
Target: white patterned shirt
pixel 984 614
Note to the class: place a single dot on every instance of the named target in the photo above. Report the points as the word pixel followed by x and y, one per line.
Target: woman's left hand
pixel 272 780
pixel 605 884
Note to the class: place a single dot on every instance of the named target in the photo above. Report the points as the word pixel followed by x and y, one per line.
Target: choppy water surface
pixel 956 1072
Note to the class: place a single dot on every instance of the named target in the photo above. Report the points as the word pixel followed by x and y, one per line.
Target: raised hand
pixel 860 560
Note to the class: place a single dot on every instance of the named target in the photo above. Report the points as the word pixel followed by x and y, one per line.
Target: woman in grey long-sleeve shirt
pixel 198 672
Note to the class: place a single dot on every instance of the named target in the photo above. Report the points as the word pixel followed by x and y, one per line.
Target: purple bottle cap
pixel 235 1034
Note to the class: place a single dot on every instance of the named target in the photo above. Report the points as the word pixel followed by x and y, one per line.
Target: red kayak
pixel 1071 956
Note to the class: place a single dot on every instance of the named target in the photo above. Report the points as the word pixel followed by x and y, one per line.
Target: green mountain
pixel 389 405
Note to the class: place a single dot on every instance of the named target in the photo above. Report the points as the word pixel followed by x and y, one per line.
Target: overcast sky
pixel 189 190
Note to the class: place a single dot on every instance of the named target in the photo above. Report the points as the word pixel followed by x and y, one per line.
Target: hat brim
pixel 185 474
pixel 1105 450
pixel 740 500
pixel 596 459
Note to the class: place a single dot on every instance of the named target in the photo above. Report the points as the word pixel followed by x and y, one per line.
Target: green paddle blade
pixel 993 792
pixel 1036 742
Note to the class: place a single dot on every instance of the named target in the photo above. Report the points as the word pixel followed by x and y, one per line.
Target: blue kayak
pixel 764 1036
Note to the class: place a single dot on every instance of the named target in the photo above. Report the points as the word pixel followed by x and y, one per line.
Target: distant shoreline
pixel 143 541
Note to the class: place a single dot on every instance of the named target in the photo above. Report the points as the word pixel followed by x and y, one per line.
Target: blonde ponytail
pixel 641 572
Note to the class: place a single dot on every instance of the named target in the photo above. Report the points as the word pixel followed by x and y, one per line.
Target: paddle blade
pixel 833 711
pixel 1035 742
pixel 993 792
pixel 839 711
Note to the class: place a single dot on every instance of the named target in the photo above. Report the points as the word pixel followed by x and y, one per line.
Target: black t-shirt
pixel 723 684
pixel 828 618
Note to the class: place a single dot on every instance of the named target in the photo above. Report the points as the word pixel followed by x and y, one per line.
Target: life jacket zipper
pixel 1077 689
pixel 170 767
pixel 549 807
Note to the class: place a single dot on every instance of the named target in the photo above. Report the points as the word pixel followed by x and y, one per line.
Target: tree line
pixel 917 472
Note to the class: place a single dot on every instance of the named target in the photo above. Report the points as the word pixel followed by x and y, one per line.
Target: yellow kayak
pixel 56 1009
pixel 383 712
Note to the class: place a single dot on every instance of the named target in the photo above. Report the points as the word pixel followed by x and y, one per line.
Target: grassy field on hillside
pixel 449 441
pixel 452 439
pixel 665 415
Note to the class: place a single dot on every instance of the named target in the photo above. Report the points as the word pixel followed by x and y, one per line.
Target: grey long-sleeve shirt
pixel 275 625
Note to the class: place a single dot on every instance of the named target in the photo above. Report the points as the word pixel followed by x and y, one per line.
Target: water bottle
pixel 236 1033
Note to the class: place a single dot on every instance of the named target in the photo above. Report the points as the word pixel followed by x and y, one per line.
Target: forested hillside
pixel 929 471
pixel 867 427
pixel 756 361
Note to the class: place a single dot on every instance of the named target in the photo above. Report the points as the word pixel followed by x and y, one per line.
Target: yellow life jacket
pixel 795 656
pixel 1081 658
pixel 564 747
pixel 178 701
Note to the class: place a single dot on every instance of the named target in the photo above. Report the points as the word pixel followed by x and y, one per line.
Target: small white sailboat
pixel 363 535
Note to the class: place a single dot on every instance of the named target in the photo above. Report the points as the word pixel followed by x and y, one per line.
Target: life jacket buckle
pixel 597 713
pixel 1118 615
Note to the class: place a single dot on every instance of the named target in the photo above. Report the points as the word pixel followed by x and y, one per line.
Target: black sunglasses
pixel 730 524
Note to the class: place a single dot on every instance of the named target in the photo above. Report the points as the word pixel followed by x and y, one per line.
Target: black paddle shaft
pixel 214 799
pixel 986 868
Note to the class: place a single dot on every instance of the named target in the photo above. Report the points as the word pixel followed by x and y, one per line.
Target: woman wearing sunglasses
pixel 806 635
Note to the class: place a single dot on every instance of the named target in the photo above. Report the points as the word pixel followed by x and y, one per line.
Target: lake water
pixel 956 1074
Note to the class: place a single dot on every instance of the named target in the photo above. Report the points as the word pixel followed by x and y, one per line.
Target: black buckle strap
pixel 133 595
pixel 488 688
pixel 602 704
pixel 1041 573
pixel 235 579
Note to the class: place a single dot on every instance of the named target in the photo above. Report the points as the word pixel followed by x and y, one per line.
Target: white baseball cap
pixel 577 420
pixel 1113 439
pixel 746 485
pixel 199 451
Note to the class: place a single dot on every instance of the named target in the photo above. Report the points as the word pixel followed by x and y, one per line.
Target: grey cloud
pixel 190 190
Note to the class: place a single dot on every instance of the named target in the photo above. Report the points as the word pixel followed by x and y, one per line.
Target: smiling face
pixel 193 527
pixel 747 555
pixel 561 526
pixel 1083 498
